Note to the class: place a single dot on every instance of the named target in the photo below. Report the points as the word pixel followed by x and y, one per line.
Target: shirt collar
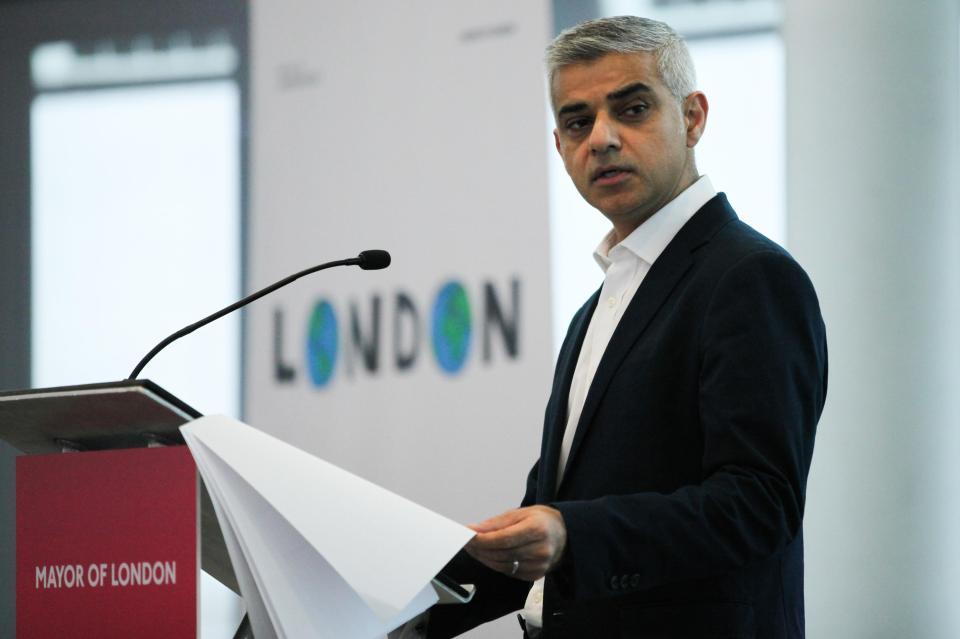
pixel 649 239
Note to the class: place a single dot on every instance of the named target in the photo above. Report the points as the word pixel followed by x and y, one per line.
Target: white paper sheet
pixel 318 551
pixel 260 617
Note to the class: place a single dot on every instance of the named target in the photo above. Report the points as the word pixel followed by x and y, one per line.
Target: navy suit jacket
pixel 683 494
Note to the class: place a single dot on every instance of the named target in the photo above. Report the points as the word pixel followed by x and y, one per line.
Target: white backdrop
pixel 416 127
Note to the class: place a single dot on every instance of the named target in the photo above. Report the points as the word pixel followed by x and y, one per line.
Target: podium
pixel 97 419
pixel 115 453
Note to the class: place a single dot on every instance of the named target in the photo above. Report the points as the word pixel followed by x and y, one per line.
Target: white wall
pixel 136 233
pixel 873 161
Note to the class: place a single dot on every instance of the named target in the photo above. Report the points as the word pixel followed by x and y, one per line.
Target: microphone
pixel 372 260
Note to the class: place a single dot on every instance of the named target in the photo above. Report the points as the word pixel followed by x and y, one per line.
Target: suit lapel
pixel 664 275
pixel 557 411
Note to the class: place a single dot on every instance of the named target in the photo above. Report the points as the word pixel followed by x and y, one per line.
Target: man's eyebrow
pixel 619 94
pixel 567 109
pixel 629 90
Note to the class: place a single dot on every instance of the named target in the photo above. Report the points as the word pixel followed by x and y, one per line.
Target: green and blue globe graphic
pixel 322 343
pixel 451 327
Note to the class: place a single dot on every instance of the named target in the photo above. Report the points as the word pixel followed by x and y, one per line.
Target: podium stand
pixel 111 416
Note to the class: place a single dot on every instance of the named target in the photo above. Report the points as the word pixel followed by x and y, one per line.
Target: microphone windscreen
pixel 374 259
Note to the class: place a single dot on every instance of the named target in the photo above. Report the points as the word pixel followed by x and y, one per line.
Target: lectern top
pixel 125 414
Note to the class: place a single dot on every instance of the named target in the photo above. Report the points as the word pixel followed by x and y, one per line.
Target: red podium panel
pixel 107 544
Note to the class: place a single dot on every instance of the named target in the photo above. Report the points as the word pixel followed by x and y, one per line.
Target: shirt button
pixel 611 302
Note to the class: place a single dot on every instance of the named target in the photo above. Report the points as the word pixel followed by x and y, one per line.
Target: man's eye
pixel 635 109
pixel 578 124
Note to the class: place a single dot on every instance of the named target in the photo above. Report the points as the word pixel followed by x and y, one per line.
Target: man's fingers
pixel 500 521
pixel 527 569
pixel 512 529
pixel 499 556
pixel 505 555
pixel 533 552
pixel 534 537
pixel 508 538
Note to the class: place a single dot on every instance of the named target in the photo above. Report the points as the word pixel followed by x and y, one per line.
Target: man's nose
pixel 604 135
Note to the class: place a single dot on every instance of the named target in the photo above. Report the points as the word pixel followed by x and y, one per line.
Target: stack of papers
pixel 318 552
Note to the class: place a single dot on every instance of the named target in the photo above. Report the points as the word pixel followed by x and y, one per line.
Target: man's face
pixel 625 140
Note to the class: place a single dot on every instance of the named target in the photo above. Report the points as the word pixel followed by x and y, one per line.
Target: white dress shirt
pixel 624 266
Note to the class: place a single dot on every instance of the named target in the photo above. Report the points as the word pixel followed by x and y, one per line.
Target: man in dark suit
pixel 669 494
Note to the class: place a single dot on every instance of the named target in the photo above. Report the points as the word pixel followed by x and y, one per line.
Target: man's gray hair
pixel 626 34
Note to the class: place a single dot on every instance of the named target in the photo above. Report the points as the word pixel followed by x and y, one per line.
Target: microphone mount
pixel 367 260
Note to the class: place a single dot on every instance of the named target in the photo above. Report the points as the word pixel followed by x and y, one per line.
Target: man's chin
pixel 626 217
pixel 620 208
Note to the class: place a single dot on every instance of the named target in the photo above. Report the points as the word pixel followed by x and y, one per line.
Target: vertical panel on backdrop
pixel 415 127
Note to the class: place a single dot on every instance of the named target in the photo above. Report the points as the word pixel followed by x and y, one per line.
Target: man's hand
pixel 535 537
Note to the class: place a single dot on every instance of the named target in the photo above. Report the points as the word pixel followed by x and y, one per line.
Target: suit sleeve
pixel 762 385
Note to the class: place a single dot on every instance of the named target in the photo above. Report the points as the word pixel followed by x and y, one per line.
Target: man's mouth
pixel 608 174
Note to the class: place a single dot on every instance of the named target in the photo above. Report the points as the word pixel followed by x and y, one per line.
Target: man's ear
pixel 695 108
pixel 556 140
